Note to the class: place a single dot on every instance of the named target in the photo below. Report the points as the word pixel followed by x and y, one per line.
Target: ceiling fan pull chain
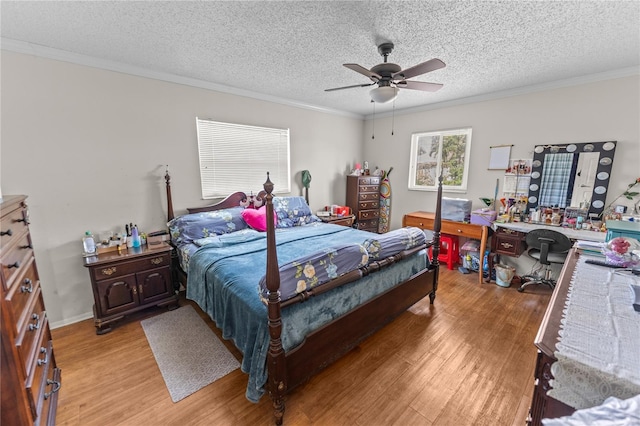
pixel 393 116
pixel 373 126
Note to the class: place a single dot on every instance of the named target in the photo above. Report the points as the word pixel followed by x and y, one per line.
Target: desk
pixel 425 220
pixel 573 234
pixel 509 239
pixel 593 373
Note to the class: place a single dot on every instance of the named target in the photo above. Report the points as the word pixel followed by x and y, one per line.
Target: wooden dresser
pixel 30 377
pixel 363 197
pixel 123 283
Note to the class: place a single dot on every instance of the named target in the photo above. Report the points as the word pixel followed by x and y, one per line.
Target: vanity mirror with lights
pixel 571 175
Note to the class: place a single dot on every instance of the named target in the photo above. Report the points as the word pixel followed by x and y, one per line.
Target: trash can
pixel 504 274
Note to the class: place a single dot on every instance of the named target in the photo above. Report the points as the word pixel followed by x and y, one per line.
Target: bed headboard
pixel 234 200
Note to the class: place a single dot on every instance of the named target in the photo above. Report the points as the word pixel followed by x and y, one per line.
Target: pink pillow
pixel 257 218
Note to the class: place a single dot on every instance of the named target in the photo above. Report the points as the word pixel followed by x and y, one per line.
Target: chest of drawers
pixel 30 376
pixel 363 197
pixel 127 282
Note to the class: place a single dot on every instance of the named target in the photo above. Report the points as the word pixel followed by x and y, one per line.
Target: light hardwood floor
pixel 467 360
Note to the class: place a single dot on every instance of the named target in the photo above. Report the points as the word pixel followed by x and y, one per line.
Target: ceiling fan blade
pixel 423 68
pixel 349 87
pixel 362 70
pixel 419 85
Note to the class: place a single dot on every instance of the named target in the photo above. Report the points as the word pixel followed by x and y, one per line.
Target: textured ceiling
pixel 294 50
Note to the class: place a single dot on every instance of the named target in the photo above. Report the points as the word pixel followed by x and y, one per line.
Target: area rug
pixel 190 356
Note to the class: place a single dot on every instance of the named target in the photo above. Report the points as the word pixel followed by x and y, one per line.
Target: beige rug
pixel 189 354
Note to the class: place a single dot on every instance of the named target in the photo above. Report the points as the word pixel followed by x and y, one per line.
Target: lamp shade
pixel 384 94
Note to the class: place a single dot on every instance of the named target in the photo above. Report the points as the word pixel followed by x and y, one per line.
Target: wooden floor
pixel 467 360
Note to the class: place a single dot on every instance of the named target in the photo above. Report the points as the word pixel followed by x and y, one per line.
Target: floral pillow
pixel 293 211
pixel 190 227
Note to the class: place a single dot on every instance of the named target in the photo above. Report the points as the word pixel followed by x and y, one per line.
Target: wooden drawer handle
pixel 507 245
pixel 157 260
pixel 8 232
pixel 27 287
pixel 35 325
pixel 56 387
pixel 109 271
pixel 15 264
pixel 24 219
pixel 460 231
pixel 45 360
pixel 28 246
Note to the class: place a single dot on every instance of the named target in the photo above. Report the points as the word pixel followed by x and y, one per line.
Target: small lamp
pixel 383 94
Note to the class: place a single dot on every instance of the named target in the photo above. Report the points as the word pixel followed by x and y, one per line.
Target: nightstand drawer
pixel 119 269
pixel 508 242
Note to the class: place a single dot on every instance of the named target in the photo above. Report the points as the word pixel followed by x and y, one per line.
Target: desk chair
pixel 547 247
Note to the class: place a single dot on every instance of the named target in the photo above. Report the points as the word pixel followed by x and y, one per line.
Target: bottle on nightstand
pixel 89 243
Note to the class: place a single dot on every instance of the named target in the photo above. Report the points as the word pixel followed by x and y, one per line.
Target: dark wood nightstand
pixel 339 220
pixel 129 281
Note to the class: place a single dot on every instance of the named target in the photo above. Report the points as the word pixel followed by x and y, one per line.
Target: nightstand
pixel 129 281
pixel 339 220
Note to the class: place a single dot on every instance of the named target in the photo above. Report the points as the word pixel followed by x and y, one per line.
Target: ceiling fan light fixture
pixel 383 94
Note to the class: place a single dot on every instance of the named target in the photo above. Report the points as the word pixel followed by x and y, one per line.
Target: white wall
pixel 605 110
pixel 88 147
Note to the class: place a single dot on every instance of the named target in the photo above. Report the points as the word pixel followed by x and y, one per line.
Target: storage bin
pixel 456 209
pixel 483 217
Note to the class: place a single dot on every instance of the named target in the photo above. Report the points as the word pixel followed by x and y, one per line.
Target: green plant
pixel 628 194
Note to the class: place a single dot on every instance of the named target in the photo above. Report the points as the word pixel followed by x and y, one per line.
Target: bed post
pixel 275 356
pixel 437 225
pixel 167 179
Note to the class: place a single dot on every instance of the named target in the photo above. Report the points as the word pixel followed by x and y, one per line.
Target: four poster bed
pixel 333 286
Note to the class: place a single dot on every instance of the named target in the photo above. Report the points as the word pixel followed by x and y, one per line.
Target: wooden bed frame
pixel 288 370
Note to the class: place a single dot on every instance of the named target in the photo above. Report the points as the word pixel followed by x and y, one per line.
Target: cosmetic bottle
pixel 88 243
pixel 135 237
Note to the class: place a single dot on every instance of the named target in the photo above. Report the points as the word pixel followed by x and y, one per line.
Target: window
pixel 447 151
pixel 235 157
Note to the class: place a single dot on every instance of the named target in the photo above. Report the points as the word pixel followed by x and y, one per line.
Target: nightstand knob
pixel 109 271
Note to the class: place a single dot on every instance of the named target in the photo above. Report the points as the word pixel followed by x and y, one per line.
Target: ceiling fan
pixel 390 77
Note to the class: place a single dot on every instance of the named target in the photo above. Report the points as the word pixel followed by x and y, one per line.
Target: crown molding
pixel 104 64
pixel 575 81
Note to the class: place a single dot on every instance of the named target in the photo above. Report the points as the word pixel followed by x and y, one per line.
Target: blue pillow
pixel 293 211
pixel 190 227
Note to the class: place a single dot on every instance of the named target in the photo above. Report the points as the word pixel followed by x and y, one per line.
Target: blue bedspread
pixel 223 279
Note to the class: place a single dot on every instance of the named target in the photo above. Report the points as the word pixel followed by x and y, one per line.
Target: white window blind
pixel 236 157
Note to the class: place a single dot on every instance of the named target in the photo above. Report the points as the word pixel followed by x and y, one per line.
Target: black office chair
pixel 547 247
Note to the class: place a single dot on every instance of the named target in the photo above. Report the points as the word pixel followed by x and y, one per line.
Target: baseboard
pixel 73 320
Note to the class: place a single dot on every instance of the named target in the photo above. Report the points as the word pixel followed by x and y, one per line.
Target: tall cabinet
pixel 30 377
pixel 363 197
